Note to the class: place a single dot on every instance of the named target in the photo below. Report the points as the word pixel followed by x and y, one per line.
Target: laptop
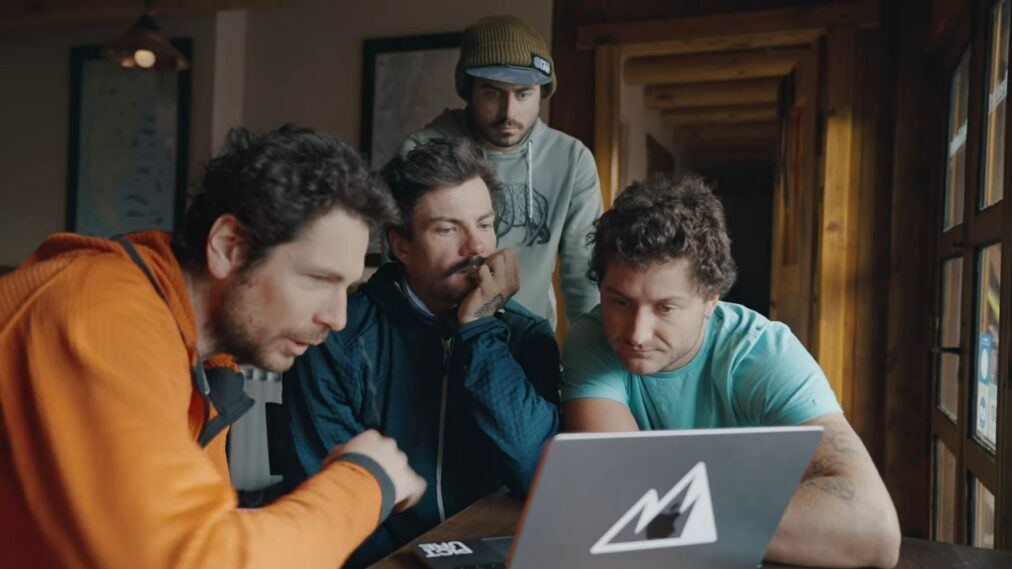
pixel 687 498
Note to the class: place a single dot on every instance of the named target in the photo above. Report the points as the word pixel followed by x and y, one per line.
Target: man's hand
pixel 408 486
pixel 498 280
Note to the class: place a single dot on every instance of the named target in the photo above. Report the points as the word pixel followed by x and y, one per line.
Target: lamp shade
pixel 144 46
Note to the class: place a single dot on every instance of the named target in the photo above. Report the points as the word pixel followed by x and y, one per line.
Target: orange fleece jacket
pixel 99 464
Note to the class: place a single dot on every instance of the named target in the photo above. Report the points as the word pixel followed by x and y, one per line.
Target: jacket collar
pixel 389 289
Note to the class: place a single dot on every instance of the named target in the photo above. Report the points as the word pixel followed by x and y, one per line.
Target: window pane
pixel 981 515
pixel 947 381
pixel 955 167
pixel 952 293
pixel 948 385
pixel 944 494
pixel 997 87
pixel 988 341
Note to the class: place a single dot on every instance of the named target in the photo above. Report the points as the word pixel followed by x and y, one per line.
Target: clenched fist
pixel 408 485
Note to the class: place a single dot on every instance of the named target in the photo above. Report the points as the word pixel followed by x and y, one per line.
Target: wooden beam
pixel 765 23
pixel 707 67
pixel 793 38
pixel 32 16
pixel 731 114
pixel 724 132
pixel 747 92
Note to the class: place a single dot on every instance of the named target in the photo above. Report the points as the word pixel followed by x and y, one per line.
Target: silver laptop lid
pixel 688 498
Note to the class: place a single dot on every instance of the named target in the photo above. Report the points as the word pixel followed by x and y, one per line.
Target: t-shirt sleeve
pixel 777 382
pixel 589 366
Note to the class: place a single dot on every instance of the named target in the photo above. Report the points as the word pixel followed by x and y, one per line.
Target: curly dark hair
pixel 435 164
pixel 662 220
pixel 276 184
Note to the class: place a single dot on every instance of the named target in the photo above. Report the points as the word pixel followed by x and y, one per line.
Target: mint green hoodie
pixel 550 198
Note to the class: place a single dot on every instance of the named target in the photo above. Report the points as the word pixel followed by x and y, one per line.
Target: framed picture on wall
pixel 128 145
pixel 406 82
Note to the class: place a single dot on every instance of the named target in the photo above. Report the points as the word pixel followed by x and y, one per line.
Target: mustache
pixel 464 265
pixel 314 338
pixel 506 121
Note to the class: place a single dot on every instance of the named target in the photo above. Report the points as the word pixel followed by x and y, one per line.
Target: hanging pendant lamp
pixel 144 46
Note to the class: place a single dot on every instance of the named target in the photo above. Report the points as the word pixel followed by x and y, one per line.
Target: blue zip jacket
pixel 471 406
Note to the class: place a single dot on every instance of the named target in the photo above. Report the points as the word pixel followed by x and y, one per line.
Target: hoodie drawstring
pixel 530 181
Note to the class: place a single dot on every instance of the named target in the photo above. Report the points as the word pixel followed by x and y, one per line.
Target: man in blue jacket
pixel 435 354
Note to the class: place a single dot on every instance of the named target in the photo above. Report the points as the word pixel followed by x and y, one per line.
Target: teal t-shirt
pixel 749 372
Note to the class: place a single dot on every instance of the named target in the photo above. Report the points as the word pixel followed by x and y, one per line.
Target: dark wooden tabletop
pixel 499 515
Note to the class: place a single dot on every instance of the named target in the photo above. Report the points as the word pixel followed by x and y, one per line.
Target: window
pixel 988 310
pixel 981 516
pixel 943 525
pixel 955 167
pixel 970 444
pixel 948 365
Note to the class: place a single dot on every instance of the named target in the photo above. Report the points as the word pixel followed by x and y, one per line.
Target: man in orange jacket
pixel 108 417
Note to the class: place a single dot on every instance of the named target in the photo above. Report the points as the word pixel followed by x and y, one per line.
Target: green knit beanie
pixel 504 41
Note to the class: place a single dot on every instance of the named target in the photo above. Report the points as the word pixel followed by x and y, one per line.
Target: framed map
pixel 406 83
pixel 127 145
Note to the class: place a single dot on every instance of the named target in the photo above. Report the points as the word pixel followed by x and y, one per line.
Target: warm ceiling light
pixel 144 46
pixel 145 58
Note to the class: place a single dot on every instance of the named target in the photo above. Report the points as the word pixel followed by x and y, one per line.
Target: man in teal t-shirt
pixel 749 372
pixel 662 352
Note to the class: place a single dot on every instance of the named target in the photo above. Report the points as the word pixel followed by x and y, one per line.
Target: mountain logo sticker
pixel 683 516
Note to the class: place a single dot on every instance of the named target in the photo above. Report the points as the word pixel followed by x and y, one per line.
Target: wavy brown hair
pixel 277 184
pixel 663 220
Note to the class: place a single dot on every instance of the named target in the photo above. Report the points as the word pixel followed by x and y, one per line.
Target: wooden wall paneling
pixel 875 112
pixel 809 194
pixel 907 464
pixel 791 277
pixel 573 102
pixel 607 133
pixel 838 232
pixel 949 20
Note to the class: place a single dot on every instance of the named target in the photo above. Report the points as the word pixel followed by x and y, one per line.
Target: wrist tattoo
pixel 489 308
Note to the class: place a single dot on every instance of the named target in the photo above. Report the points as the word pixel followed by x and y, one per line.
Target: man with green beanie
pixel 550 190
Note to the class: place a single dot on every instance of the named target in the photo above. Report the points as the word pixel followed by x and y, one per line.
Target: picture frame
pixel 406 83
pixel 128 145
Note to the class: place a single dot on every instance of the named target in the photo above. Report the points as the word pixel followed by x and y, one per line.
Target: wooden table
pixel 499 515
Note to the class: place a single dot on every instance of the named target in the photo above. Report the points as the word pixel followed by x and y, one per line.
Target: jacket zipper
pixel 447 347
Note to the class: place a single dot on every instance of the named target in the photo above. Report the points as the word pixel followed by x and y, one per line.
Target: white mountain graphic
pixel 661 518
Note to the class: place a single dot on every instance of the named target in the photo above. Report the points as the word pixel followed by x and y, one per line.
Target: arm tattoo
pixel 823 467
pixel 489 308
pixel 839 440
pixel 822 473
